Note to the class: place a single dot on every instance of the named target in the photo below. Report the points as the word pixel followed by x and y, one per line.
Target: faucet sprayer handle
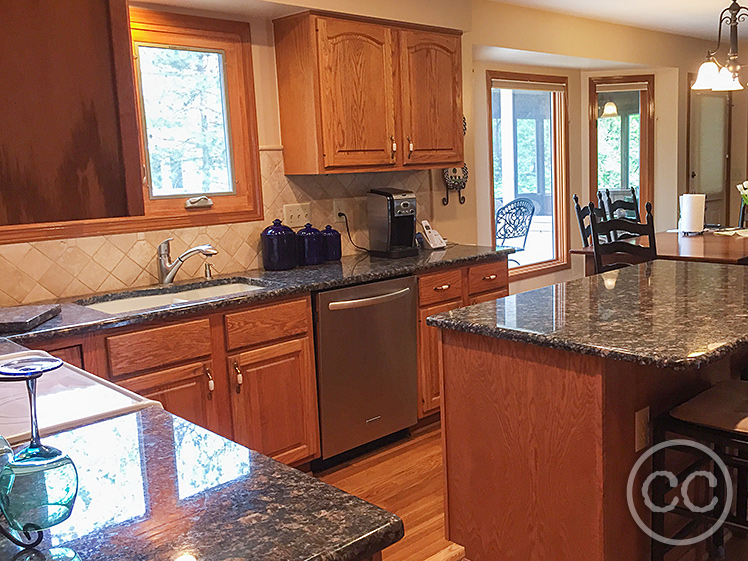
pixel 164 247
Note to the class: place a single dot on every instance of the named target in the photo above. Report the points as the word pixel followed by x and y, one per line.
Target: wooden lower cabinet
pixel 274 400
pixel 440 292
pixel 185 391
pixel 430 358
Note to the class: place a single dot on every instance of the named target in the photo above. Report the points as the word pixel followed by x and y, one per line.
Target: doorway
pixel 622 137
pixel 709 118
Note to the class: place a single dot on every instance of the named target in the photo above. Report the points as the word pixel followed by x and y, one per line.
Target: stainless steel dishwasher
pixel 366 362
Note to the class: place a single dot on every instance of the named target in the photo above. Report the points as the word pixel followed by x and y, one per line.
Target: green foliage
pixel 186 121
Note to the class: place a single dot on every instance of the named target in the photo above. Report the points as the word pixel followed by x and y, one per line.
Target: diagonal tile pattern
pixel 47 270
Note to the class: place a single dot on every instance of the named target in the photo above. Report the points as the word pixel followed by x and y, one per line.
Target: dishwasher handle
pixel 371 301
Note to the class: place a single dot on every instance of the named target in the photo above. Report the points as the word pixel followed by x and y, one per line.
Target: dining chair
pixel 583 212
pixel 619 253
pixel 716 418
pixel 513 221
pixel 621 207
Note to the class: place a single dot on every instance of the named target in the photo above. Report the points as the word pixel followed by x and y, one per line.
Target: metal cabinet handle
pixel 410 147
pixel 489 277
pixel 211 383
pixel 394 147
pixel 239 377
pixel 442 287
pixel 370 301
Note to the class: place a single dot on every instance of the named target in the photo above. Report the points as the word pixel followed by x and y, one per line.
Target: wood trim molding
pixel 561 167
pixel 379 21
pixel 647 134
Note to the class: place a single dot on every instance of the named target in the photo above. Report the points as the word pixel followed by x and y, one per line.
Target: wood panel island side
pixel 540 397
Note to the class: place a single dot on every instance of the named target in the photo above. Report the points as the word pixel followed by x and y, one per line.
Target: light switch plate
pixel 642 429
pixel 297 215
pixel 340 205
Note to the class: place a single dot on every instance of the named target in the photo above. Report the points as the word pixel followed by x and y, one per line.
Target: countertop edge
pixel 541 340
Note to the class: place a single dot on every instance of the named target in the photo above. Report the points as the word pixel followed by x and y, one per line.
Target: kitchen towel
pixel 692 213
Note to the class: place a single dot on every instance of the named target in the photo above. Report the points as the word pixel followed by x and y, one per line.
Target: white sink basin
pixel 135 303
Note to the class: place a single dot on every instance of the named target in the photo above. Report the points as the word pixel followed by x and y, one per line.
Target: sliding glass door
pixel 528 162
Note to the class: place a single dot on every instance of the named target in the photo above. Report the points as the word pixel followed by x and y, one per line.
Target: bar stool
pixel 718 419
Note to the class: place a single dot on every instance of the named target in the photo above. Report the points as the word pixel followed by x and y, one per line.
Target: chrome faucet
pixel 167 270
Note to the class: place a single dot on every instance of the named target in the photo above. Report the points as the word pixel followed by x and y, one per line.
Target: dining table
pixel 706 247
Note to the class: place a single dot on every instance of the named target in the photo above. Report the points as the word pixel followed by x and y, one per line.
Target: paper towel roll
pixel 692 213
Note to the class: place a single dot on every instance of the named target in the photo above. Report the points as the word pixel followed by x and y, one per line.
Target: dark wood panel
pixel 61 120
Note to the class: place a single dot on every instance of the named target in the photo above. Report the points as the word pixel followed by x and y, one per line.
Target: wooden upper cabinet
pixel 352 91
pixel 431 90
pixel 358 118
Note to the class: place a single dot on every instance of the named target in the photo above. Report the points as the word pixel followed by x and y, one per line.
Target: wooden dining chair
pixel 621 207
pixel 716 418
pixel 619 253
pixel 583 213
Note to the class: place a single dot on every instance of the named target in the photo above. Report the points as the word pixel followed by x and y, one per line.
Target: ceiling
pixel 695 18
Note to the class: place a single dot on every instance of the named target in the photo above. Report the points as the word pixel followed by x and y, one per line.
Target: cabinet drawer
pixel 149 349
pixel 439 287
pixel 487 277
pixel 267 323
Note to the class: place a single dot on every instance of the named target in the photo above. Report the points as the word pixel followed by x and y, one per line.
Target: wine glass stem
pixel 35 440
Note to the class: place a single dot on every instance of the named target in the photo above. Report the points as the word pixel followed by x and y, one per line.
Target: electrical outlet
pixel 295 216
pixel 642 428
pixel 340 205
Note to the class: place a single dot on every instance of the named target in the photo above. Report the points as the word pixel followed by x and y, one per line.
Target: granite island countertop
pixel 670 314
pixel 76 319
pixel 153 486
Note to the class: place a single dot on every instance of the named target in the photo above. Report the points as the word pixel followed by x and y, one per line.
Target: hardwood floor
pixel 405 478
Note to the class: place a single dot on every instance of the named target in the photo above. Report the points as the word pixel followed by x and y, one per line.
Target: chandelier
pixel 714 76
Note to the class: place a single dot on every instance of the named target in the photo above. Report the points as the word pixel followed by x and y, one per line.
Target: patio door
pixel 528 153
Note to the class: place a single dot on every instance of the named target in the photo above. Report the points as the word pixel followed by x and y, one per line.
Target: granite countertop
pixel 153 486
pixel 674 314
pixel 75 319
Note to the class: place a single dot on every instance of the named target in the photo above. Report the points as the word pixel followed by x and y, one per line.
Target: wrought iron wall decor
pixel 455 179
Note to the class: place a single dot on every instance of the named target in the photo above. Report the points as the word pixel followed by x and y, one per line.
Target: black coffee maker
pixel 392 223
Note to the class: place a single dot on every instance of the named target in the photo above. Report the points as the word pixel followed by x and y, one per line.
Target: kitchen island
pixel 155 487
pixel 540 398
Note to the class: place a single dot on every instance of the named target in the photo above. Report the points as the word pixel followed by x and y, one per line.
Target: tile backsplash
pixel 47 270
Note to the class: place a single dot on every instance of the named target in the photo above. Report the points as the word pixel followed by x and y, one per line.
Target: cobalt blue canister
pixel 279 251
pixel 311 246
pixel 333 246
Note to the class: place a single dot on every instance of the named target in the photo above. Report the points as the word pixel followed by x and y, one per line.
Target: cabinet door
pixel 430 359
pixel 356 93
pixel 274 400
pixel 431 89
pixel 489 296
pixel 184 391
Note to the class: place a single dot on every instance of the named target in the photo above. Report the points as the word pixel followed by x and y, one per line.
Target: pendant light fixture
pixel 714 76
pixel 610 109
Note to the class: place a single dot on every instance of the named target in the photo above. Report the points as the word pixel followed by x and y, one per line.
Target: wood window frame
pixel 233 40
pixel 647 134
pixel 561 222
pixel 131 144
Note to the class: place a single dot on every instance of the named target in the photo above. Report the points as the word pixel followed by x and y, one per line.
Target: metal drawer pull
pixel 239 377
pixel 442 287
pixel 211 383
pixel 489 277
pixel 394 147
pixel 410 147
pixel 362 302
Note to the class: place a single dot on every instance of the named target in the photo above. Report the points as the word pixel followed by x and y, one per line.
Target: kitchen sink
pixel 145 301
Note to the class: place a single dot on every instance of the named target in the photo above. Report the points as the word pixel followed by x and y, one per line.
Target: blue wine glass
pixel 38 485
